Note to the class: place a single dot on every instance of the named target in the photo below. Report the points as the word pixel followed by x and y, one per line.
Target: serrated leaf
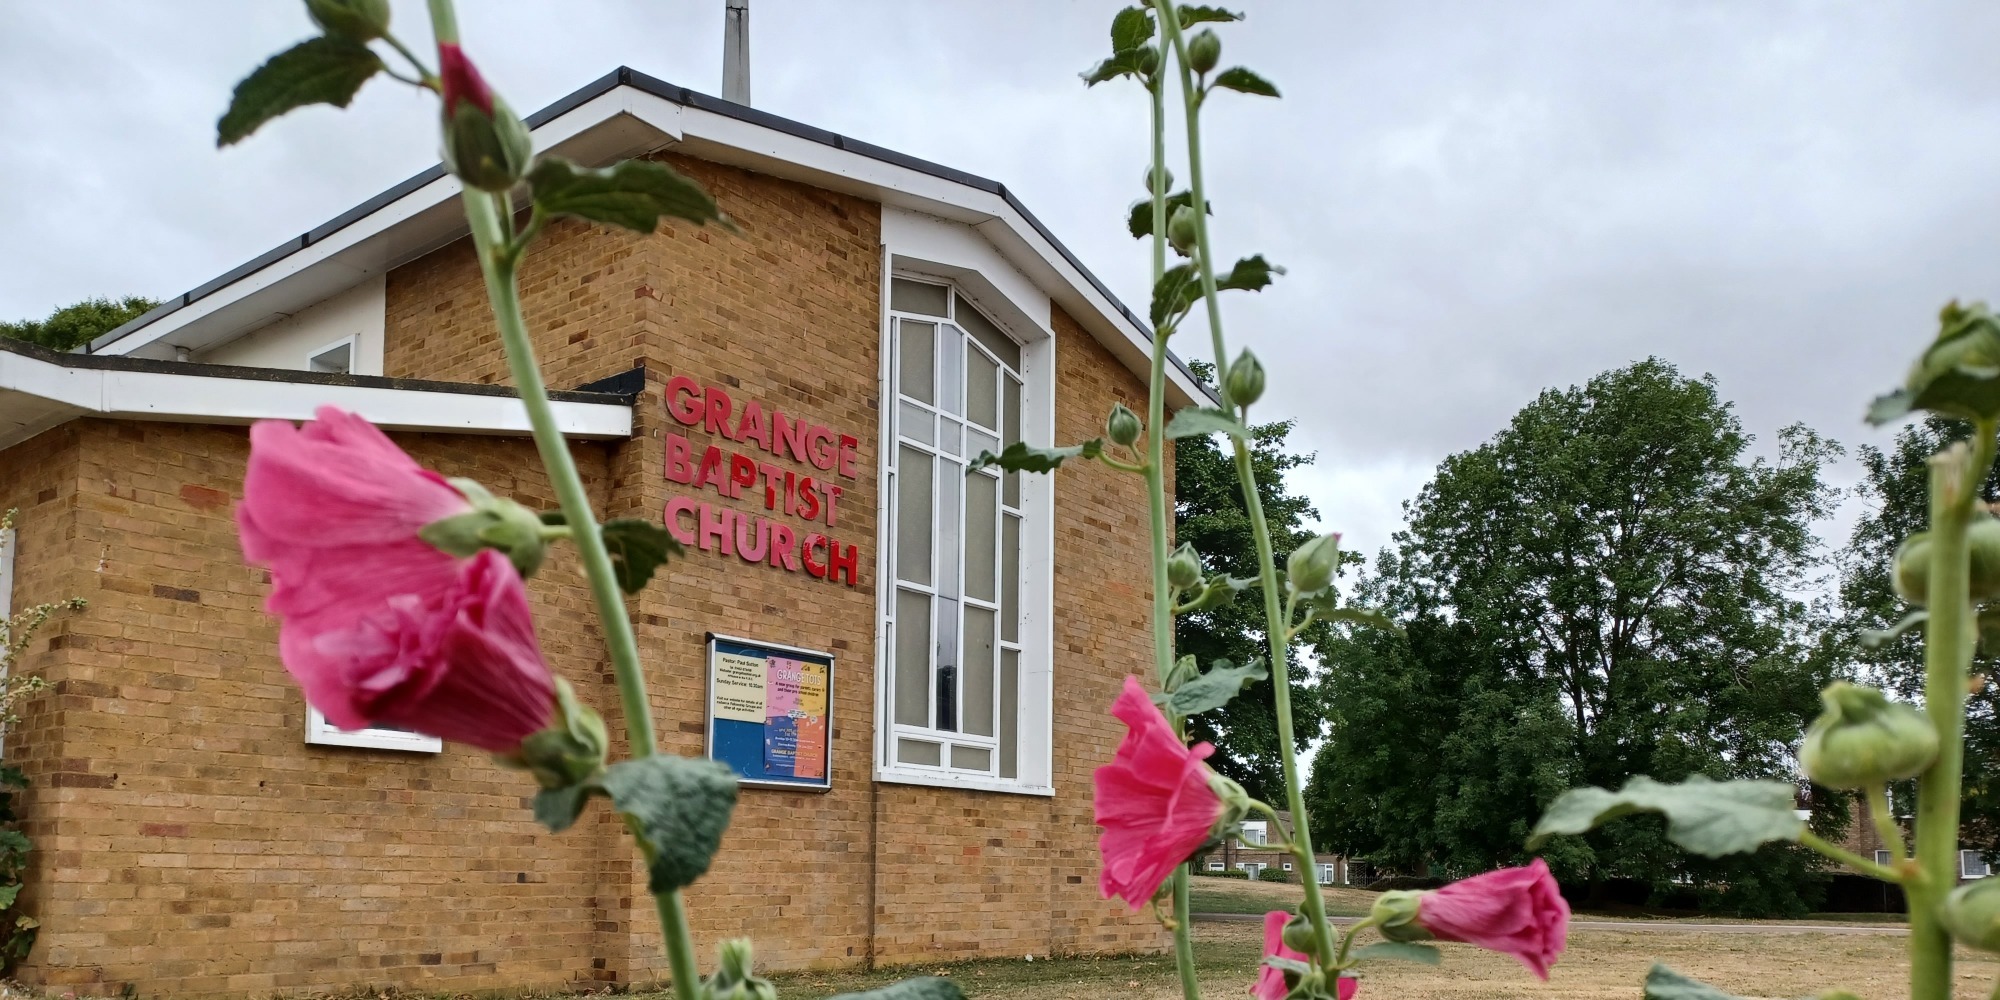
pixel 637 547
pixel 9 893
pixel 1663 983
pixel 920 988
pixel 1250 274
pixel 1873 638
pixel 1140 221
pixel 678 808
pixel 633 194
pixel 1291 966
pixel 1131 28
pixel 1215 688
pixel 1191 15
pixel 1123 64
pixel 1183 670
pixel 1351 615
pixel 1710 818
pixel 558 808
pixel 1216 591
pixel 1399 951
pixel 1894 406
pixel 1177 290
pixel 1197 421
pixel 323 70
pixel 1023 457
pixel 1243 81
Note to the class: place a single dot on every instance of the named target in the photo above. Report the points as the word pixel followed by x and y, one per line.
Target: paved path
pixel 1656 926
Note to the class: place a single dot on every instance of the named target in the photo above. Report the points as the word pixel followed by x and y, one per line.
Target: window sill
pixel 940 779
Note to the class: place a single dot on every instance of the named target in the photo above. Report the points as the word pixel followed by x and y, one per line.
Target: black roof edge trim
pixel 630 384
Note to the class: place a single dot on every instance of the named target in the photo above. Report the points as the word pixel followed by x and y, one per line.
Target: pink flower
pixel 1154 801
pixel 1519 911
pixel 1271 982
pixel 461 80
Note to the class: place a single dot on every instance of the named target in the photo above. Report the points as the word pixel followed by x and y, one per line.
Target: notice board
pixel 770 712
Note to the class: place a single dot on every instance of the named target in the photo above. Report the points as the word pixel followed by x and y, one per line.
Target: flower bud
pixel 569 752
pixel 1972 914
pixel 1204 51
pixel 1311 566
pixel 733 979
pixel 1181 231
pixel 355 20
pixel 1395 915
pixel 485 143
pixel 1245 381
pixel 1149 60
pixel 1913 562
pixel 492 523
pixel 1299 935
pixel 1167 180
pixel 1122 426
pixel 1863 740
pixel 1184 568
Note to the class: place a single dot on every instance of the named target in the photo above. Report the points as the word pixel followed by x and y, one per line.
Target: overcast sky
pixel 1475 200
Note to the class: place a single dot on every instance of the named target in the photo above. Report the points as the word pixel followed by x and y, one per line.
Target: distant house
pixel 1863 839
pixel 1253 854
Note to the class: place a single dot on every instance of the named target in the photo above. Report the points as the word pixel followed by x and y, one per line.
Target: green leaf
pixel 1141 220
pixel 321 70
pixel 1215 688
pixel 1123 64
pixel 1663 983
pixel 1175 292
pixel 1894 406
pixel 8 893
pixel 1201 420
pixel 1288 965
pixel 1023 457
pixel 1192 15
pixel 1710 818
pixel 920 988
pixel 1243 81
pixel 558 808
pixel 638 547
pixel 678 808
pixel 1216 591
pixel 1351 615
pixel 1131 28
pixel 1873 638
pixel 1250 274
pixel 1399 951
pixel 633 194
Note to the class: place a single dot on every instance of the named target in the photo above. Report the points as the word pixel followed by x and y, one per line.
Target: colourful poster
pixel 740 687
pixel 771 717
pixel 781 747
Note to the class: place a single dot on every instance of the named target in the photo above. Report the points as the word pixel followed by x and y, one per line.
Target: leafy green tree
pixel 1606 588
pixel 77 324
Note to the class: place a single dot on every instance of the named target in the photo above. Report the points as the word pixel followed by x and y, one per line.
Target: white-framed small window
pixel 1288 866
pixel 1972 864
pixel 324 733
pixel 1254 833
pixel 1215 866
pixel 1883 857
pixel 1324 873
pixel 336 358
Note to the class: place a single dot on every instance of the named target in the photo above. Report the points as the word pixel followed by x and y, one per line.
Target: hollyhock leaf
pixel 554 518
pixel 1663 983
pixel 1131 28
pixel 1244 82
pixel 1291 965
pixel 920 988
pixel 1123 64
pixel 1351 615
pixel 633 194
pixel 678 807
pixel 1141 220
pixel 1215 688
pixel 1191 15
pixel 637 547
pixel 1710 818
pixel 1217 592
pixel 1024 457
pixel 1893 406
pixel 1399 951
pixel 558 808
pixel 1176 291
pixel 1250 274
pixel 323 70
pixel 1872 638
pixel 1196 421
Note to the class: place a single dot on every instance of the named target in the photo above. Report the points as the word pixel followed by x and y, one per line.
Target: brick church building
pixel 200 832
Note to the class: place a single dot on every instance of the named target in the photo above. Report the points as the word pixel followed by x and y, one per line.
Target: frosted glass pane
pixel 972 759
pixel 1010 578
pixel 951 373
pixel 913 515
pixel 947 666
pixel 919 752
pixel 978 672
pixel 1010 404
pixel 982 390
pixel 913 658
pixel 914 422
pixel 916 297
pixel 977 441
pixel 982 523
pixel 983 330
pixel 918 346
pixel 950 476
pixel 948 437
pixel 1010 713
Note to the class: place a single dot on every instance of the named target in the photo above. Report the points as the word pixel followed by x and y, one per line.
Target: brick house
pixel 200 832
pixel 1251 852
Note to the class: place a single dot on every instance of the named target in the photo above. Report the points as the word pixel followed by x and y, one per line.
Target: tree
pixel 1209 513
pixel 1604 589
pixel 77 324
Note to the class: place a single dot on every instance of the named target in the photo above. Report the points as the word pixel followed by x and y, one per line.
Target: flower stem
pixel 1276 625
pixel 1848 858
pixel 1886 829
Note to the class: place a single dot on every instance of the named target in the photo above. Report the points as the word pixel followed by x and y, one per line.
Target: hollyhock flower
pixel 460 80
pixel 1517 911
pixel 485 143
pixel 1271 982
pixel 1156 800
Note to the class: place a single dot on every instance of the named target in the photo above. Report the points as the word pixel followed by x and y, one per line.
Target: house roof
pixel 626 113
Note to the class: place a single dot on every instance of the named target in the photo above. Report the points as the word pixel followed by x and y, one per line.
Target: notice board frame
pixel 825 781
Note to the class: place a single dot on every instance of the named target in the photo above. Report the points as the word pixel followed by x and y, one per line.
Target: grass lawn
pixel 1600 965
pixel 1228 895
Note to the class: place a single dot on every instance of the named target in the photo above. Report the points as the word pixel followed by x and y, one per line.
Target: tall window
pixel 954 636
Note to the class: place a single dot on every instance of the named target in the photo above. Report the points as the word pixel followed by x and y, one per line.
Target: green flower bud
pixel 1122 426
pixel 1913 562
pixel 485 143
pixel 1166 185
pixel 1184 567
pixel 492 523
pixel 1972 914
pixel 357 20
pixel 1245 381
pixel 1395 915
pixel 1863 740
pixel 569 752
pixel 1311 566
pixel 1149 60
pixel 1181 233
pixel 1299 935
pixel 733 979
pixel 1204 51
pixel 1959 374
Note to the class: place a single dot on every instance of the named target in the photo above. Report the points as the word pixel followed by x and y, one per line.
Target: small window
pixel 323 733
pixel 1288 866
pixel 1325 874
pixel 1883 857
pixel 1215 866
pixel 1972 864
pixel 334 359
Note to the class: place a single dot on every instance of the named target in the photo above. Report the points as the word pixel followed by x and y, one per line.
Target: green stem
pixel 425 78
pixel 1848 858
pixel 1275 622
pixel 1885 823
pixel 1955 479
pixel 1340 961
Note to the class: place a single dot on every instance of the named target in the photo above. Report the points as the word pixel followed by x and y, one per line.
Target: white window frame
pixel 8 539
pixel 1324 873
pixel 1288 866
pixel 320 732
pixel 1002 305
pixel 1966 858
pixel 353 344
pixel 1215 866
pixel 1884 857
